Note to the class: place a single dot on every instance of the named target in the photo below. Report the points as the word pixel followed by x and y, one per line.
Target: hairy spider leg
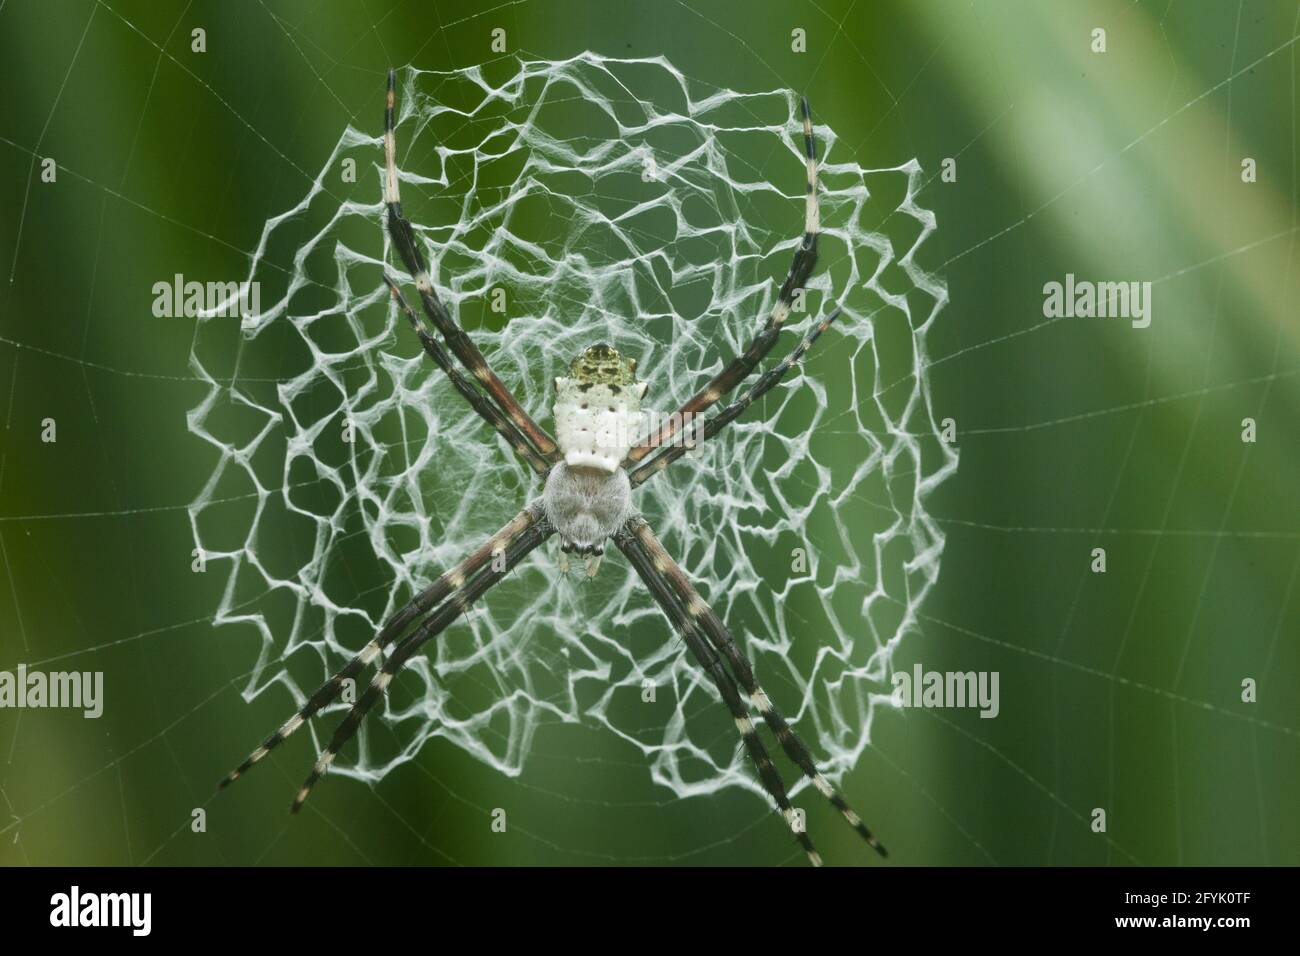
pixel 708 659
pixel 427 599
pixel 715 423
pixel 408 247
pixel 477 401
pixel 801 267
pixel 455 605
pixel 723 641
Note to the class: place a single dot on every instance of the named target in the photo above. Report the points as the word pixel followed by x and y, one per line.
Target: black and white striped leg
pixel 801 267
pixel 631 545
pixel 476 399
pixel 720 637
pixel 719 421
pixel 396 625
pixel 403 236
pixel 444 616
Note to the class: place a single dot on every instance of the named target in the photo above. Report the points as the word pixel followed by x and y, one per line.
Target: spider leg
pixel 486 410
pixel 721 638
pixel 403 236
pixel 631 545
pixel 460 599
pixel 430 597
pixel 715 423
pixel 805 258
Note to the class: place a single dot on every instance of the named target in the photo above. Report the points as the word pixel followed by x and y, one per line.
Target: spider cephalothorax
pixel 586 506
pixel 602 451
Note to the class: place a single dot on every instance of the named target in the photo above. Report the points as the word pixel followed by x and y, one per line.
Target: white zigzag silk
pixel 562 204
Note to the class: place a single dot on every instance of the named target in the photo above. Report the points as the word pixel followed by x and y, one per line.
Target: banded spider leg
pixel 740 367
pixel 449 585
pixel 688 611
pixel 404 240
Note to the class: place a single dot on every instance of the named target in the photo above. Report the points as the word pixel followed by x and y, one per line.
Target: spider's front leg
pixel 466 593
pixel 683 605
pixel 447 586
pixel 708 659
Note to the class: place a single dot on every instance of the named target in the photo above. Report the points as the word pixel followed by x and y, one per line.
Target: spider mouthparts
pixel 593 565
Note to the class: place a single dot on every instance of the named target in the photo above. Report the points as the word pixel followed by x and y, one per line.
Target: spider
pixel 589 471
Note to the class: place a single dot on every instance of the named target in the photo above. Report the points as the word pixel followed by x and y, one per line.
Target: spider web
pixel 1126 683
pixel 563 203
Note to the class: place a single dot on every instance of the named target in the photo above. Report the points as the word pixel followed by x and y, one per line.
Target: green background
pixel 1119 690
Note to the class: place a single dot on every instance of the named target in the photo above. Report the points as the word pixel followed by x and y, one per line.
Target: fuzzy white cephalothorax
pixel 596 423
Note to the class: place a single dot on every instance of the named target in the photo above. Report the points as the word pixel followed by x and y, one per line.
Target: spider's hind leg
pixel 529 439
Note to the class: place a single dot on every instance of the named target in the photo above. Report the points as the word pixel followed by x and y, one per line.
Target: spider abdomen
pixel 596 423
pixel 598 408
pixel 586 505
